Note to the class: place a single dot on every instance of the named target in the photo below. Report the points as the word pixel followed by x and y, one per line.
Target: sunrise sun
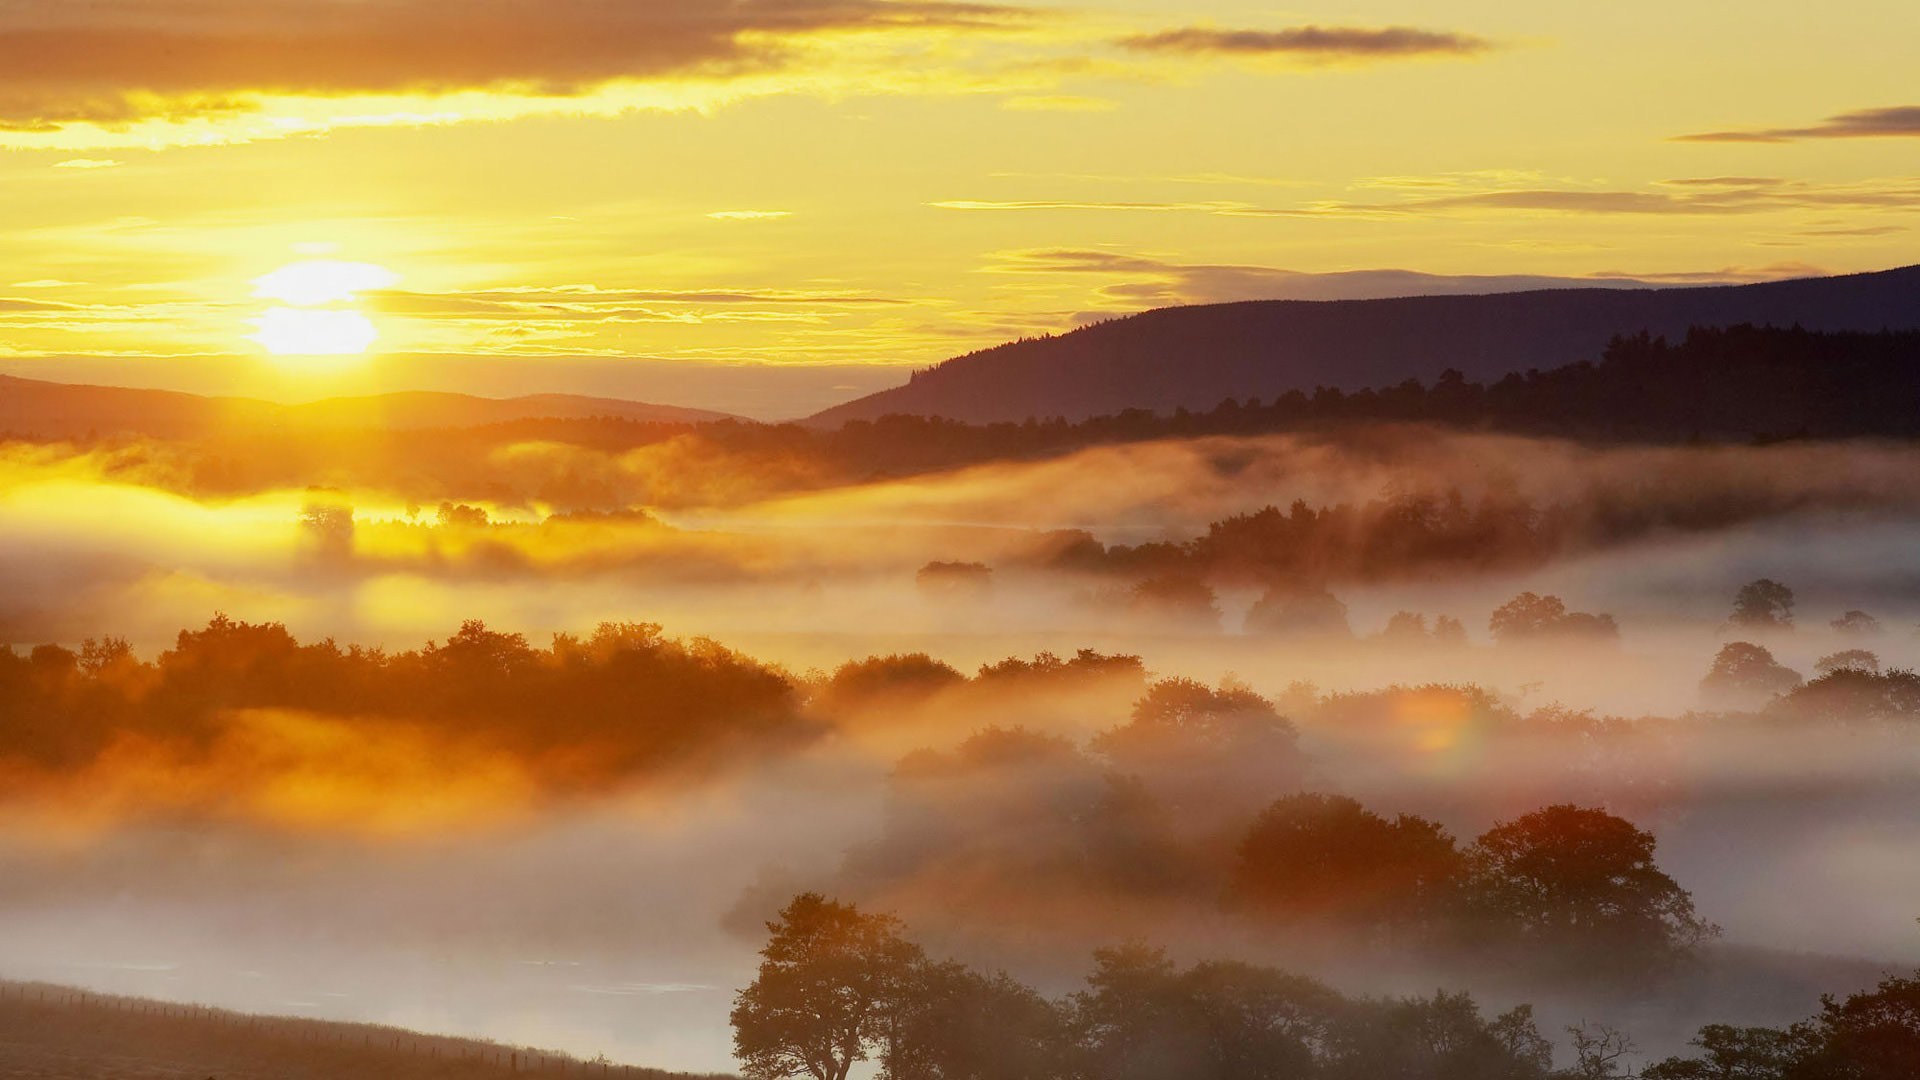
pixel 315 315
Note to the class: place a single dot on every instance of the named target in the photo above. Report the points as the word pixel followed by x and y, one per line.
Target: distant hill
pixel 1195 357
pixel 36 409
pixel 60 1033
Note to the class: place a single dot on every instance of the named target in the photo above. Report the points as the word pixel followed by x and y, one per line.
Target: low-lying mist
pixel 535 761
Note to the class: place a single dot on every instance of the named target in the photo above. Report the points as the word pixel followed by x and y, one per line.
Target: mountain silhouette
pixel 1195 357
pixel 37 409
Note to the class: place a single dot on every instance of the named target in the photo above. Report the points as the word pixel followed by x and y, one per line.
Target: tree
pixel 1854 695
pixel 1848 660
pixel 1405 627
pixel 955 581
pixel 1598 1051
pixel 330 526
pixel 956 1024
pixel 1182 600
pixel 1869 1036
pixel 1201 748
pixel 1327 857
pixel 1762 605
pixel 1440 1038
pixel 1856 623
pixel 1528 615
pixel 1737 1053
pixel 1292 611
pixel 1745 673
pixel 829 987
pixel 1532 617
pixel 1874 1035
pixel 1580 879
pixel 1141 1018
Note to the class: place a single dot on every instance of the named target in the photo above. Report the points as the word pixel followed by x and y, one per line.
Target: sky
pixel 768 206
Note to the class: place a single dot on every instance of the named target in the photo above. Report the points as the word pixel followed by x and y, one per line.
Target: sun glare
pixel 286 331
pixel 322 281
pixel 315 316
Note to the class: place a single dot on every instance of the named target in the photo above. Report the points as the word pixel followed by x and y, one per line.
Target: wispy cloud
pixel 1312 43
pixel 1901 121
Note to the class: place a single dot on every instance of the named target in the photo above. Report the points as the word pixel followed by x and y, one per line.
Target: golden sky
pixel 769 205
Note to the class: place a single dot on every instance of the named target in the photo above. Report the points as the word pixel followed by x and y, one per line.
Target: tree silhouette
pixel 1743 672
pixel 1848 660
pixel 1764 604
pixel 1856 623
pixel 831 980
pixel 1584 880
pixel 1293 611
pixel 1531 617
pixel 1326 857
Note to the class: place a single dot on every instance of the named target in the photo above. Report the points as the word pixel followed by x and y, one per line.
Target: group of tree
pixel 837 987
pixel 1176 806
pixel 1872 1035
pixel 622 702
pixel 1564 883
pixel 1397 536
pixel 1848 687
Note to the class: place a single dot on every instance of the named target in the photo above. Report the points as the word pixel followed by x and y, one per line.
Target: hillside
pixel 37 409
pixel 58 1033
pixel 1195 357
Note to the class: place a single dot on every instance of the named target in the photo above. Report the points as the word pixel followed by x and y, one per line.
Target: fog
pixel 493 863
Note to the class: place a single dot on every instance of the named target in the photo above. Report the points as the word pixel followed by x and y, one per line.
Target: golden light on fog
pixel 288 331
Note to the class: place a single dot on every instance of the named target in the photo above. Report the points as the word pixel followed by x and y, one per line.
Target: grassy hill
pixel 34 408
pixel 60 1033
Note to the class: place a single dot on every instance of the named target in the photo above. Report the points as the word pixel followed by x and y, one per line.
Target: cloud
pixel 118 61
pixel 1699 196
pixel 1156 282
pixel 1072 204
pixel 1323 44
pixel 1893 122
pixel 87 163
pixel 750 215
pixel 1471 192
pixel 1058 103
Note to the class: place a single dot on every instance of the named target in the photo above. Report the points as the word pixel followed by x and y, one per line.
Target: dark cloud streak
pixel 1894 122
pixel 1311 42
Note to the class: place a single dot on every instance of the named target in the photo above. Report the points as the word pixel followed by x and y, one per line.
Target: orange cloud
pixel 119 61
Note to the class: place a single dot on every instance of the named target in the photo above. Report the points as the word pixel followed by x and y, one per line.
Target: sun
pixel 315 316
pixel 286 331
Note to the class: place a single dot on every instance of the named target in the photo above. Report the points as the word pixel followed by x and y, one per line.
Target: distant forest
pixel 1734 384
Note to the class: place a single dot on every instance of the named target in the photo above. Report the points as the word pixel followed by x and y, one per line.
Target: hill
pixel 59 1033
pixel 1195 357
pixel 50 410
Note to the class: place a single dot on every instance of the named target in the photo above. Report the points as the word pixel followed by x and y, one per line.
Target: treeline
pixel 1738 384
pixel 624 701
pixel 837 986
pixel 1175 810
pixel 582 714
